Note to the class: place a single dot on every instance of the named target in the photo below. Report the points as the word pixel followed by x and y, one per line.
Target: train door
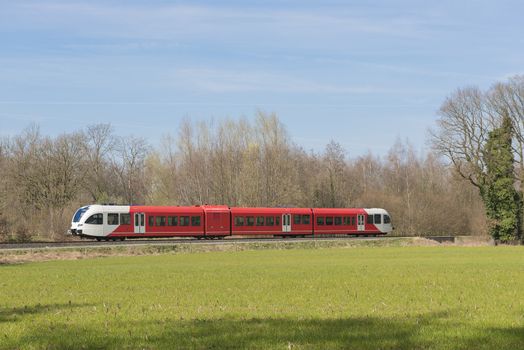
pixel 286 223
pixel 140 223
pixel 217 223
pixel 361 222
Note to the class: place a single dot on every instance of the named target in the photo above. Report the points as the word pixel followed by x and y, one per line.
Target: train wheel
pixel 98 239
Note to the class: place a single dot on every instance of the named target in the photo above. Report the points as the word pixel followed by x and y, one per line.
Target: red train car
pixel 271 221
pixel 343 221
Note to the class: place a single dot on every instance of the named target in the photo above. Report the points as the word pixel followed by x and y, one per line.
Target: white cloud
pixel 180 21
pixel 227 81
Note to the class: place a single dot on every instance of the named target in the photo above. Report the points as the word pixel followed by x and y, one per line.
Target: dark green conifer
pixel 503 202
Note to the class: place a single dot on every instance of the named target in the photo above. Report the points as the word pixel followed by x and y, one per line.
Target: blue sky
pixel 363 73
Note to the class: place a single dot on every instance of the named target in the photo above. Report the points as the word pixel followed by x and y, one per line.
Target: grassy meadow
pixel 338 298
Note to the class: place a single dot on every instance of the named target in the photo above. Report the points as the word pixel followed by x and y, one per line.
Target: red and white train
pixel 105 222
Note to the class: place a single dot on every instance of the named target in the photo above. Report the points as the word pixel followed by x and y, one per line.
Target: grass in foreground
pixel 361 298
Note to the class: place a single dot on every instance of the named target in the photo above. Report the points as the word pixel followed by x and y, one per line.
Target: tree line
pixel 234 162
pixel 471 181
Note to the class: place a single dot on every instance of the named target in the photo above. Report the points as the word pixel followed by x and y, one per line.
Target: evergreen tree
pixel 503 202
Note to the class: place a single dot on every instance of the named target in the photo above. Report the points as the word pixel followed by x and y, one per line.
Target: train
pixel 118 222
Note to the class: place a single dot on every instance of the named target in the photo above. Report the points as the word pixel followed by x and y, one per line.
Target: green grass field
pixel 361 298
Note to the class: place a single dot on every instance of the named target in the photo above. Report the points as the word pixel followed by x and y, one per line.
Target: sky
pixel 362 73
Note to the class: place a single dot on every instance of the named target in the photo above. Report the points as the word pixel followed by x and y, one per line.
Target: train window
pixel 112 219
pixel 387 219
pixel 95 219
pixel 306 219
pixel 184 221
pixel 347 220
pixel 160 221
pixel 378 219
pixel 260 221
pixel 338 220
pixel 320 220
pixel 250 220
pixel 277 220
pixel 172 220
pixel 79 213
pixel 329 220
pixel 297 219
pixel 370 219
pixel 151 221
pixel 239 221
pixel 270 220
pixel 353 221
pixel 195 221
pixel 125 219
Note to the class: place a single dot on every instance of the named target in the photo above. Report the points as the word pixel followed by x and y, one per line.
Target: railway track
pixel 170 241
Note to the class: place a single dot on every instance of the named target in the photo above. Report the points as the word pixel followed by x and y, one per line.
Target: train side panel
pixel 343 221
pixel 301 221
pixel 271 221
pixel 149 221
pixel 256 221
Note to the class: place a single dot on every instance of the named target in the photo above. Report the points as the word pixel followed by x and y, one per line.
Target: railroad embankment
pixel 31 254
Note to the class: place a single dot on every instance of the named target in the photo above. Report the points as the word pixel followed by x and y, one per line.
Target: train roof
pixel 339 211
pixel 166 209
pixel 242 210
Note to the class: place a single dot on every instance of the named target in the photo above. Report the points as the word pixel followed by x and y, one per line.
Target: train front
pixel 88 222
pixel 76 221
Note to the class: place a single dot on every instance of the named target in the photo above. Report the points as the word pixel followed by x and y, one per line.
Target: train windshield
pixel 79 213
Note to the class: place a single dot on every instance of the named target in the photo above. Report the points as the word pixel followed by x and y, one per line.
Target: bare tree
pixel 332 174
pixel 404 170
pixel 193 158
pixel 462 133
pixel 228 147
pixel 162 170
pixel 63 161
pixel 46 175
pixel 4 228
pixel 277 185
pixel 100 143
pixel 129 166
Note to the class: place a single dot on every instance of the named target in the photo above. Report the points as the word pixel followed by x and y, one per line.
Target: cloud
pixel 162 22
pixel 227 81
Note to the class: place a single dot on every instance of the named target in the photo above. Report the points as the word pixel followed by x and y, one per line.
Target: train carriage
pixel 271 221
pixel 163 221
pixel 351 221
